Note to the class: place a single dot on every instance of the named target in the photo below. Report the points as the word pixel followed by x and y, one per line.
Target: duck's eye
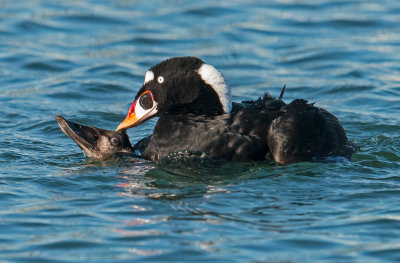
pixel 115 141
pixel 146 101
pixel 160 79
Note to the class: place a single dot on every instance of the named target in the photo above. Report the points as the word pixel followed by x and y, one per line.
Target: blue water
pixel 86 60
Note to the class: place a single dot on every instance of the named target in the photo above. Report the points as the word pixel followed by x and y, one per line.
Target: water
pixel 86 60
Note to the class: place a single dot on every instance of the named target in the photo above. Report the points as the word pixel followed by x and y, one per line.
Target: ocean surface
pixel 85 60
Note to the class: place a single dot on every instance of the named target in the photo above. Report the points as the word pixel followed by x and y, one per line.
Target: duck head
pixel 98 143
pixel 179 85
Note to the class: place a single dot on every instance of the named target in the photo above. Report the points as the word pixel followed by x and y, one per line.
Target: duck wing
pixel 302 132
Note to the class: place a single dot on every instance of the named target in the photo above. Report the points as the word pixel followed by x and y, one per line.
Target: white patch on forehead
pixel 149 76
pixel 213 77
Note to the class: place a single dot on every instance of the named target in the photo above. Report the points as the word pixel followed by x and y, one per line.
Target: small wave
pixel 36 26
pixel 91 19
pixel 52 65
pixel 350 89
pixel 93 87
pixel 313 55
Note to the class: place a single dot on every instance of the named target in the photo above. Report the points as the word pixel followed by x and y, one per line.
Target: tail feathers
pixel 282 92
pixel 296 134
pixel 303 132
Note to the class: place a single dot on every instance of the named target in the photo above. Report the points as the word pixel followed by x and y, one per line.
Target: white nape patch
pixel 213 77
pixel 149 76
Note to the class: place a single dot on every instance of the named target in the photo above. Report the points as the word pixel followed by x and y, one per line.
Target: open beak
pixel 96 142
pixel 84 136
pixel 137 114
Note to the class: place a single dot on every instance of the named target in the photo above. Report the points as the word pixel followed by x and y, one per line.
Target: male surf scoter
pixel 195 113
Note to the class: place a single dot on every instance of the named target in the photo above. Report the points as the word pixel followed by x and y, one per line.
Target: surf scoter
pixel 195 112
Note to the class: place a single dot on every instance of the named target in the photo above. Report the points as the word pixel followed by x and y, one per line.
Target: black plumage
pixel 190 107
pixel 239 136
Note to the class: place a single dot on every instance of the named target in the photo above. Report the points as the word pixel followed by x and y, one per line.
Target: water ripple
pixel 87 59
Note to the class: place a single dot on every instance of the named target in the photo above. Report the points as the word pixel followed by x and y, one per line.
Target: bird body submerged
pixel 195 113
pixel 237 136
pixel 263 129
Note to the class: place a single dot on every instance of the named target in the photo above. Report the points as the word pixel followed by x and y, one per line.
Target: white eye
pixel 160 79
